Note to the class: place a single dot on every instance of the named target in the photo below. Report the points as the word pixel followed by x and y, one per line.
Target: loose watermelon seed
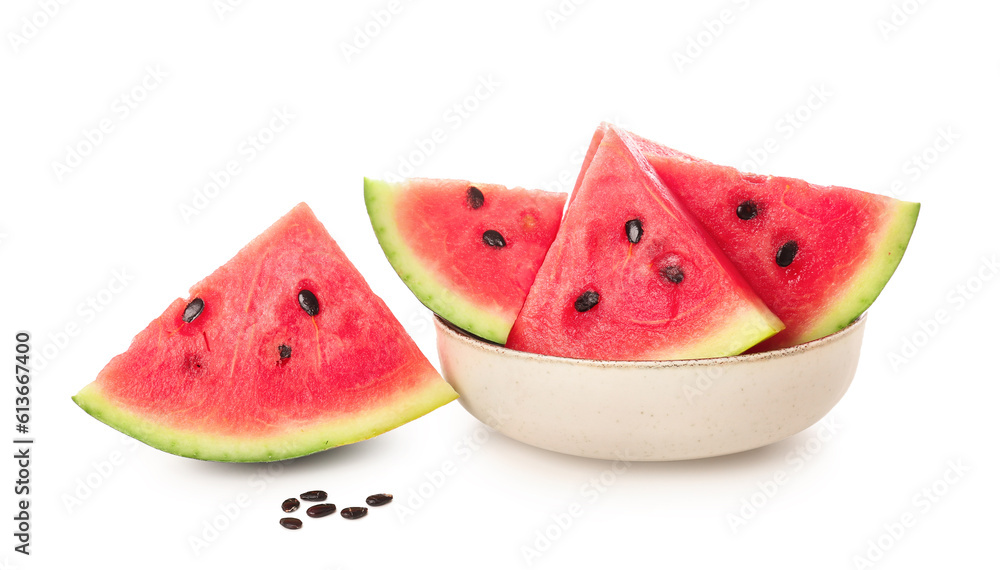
pixel 587 301
pixel 493 238
pixel 747 210
pixel 285 351
pixel 633 229
pixel 786 253
pixel 354 512
pixel 673 273
pixel 474 197
pixel 308 302
pixel 193 309
pixel 314 496
pixel 317 511
pixel 290 505
pixel 379 500
pixel 294 524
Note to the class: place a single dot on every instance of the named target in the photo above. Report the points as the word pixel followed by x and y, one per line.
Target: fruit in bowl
pixel 684 309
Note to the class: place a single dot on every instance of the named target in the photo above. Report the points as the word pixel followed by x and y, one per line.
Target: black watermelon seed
pixel 493 238
pixel 285 351
pixel 193 309
pixel 747 210
pixel 314 496
pixel 474 198
pixel 354 512
pixel 379 500
pixel 308 302
pixel 587 301
pixel 294 524
pixel 290 505
pixel 633 229
pixel 672 273
pixel 786 253
pixel 317 511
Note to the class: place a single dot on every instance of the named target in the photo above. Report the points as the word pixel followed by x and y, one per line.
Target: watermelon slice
pixel 817 255
pixel 281 352
pixel 468 251
pixel 632 276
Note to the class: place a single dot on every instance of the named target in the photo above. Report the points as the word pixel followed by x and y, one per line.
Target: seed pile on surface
pixel 326 509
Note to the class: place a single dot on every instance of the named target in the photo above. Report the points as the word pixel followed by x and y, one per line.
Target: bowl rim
pixel 480 344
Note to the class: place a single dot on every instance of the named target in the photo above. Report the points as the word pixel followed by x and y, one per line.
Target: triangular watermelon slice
pixel 632 276
pixel 469 252
pixel 281 352
pixel 817 255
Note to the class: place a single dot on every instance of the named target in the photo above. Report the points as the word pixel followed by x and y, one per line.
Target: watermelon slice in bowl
pixel 817 255
pixel 281 352
pixel 467 251
pixel 632 276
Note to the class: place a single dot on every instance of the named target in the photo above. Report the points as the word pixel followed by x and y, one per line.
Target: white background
pixel 889 93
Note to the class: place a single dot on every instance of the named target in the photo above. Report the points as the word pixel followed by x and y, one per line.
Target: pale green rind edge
pixel 868 282
pixel 380 200
pixel 431 393
pixel 736 337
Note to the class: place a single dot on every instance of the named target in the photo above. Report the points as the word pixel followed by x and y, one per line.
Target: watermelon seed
pixel 315 496
pixel 290 505
pixel 493 238
pixel 747 210
pixel 379 500
pixel 587 301
pixel 193 309
pixel 673 273
pixel 317 511
pixel 285 351
pixel 474 197
pixel 786 253
pixel 633 229
pixel 354 512
pixel 294 524
pixel 308 302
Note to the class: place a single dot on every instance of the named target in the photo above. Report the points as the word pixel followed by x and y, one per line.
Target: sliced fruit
pixel 469 252
pixel 632 276
pixel 283 351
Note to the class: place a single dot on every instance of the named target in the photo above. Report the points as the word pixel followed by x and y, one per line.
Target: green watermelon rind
pixel 886 252
pixel 739 334
pixel 380 200
pixel 428 394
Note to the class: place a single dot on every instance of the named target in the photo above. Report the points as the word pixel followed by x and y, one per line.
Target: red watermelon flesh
pixel 255 376
pixel 847 242
pixel 469 252
pixel 611 291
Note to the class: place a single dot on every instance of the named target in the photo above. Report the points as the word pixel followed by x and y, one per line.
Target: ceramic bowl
pixel 649 411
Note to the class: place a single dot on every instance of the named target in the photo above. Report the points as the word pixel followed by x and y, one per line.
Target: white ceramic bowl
pixel 649 411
